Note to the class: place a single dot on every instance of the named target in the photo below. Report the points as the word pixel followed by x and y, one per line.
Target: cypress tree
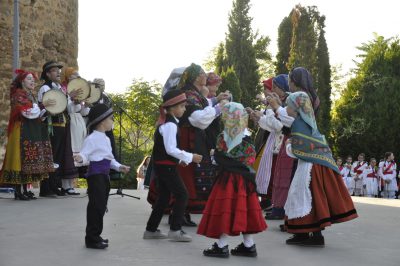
pixel 240 52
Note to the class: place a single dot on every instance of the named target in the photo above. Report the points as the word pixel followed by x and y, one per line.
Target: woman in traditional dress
pixel 198 178
pixel 76 111
pixel 28 155
pixel 317 196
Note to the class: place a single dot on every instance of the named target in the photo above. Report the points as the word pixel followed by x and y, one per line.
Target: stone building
pixel 48 31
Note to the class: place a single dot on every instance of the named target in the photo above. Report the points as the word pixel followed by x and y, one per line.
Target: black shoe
pixel 20 196
pixel 297 239
pixel 187 221
pixel 104 240
pixel 59 192
pixel 30 195
pixel 98 245
pixel 71 191
pixel 242 250
pixel 314 241
pixel 216 251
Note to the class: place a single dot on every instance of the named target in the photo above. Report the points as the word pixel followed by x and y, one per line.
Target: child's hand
pixel 124 169
pixel 197 158
pixel 78 158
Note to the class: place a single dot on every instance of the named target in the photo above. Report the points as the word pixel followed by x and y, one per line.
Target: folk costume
pixel 370 181
pixel 387 172
pixel 317 196
pixel 198 178
pixel 60 137
pixel 97 153
pixel 345 172
pixel 28 156
pixel 357 182
pixel 233 207
pixel 167 156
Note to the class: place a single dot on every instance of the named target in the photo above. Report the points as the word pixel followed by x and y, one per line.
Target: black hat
pixel 97 114
pixel 173 97
pixel 47 66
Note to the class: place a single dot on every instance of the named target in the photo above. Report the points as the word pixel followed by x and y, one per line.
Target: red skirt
pixel 331 203
pixel 231 209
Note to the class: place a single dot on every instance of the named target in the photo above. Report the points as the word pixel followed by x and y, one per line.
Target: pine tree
pixel 240 52
pixel 230 82
pixel 220 60
pixel 323 80
pixel 284 41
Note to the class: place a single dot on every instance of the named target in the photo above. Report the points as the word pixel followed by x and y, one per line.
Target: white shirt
pixel 97 147
pixel 286 120
pixel 169 131
pixel 203 118
pixel 32 113
pixel 269 122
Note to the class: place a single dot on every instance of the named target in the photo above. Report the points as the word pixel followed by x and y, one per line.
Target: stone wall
pixel 48 31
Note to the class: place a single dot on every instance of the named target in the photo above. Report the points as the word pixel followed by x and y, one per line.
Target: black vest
pixel 159 152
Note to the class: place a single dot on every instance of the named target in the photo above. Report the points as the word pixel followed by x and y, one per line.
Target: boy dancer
pixel 167 156
pixel 96 151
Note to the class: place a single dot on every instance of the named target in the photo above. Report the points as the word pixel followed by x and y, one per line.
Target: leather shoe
pixel 98 245
pixel 187 221
pixel 216 251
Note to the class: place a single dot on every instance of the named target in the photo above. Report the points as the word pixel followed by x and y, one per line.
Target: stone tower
pixel 48 31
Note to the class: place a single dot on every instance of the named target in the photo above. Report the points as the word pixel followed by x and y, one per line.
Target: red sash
pixel 372 175
pixel 387 171
pixel 358 167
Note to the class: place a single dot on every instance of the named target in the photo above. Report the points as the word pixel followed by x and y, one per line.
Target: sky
pixel 122 40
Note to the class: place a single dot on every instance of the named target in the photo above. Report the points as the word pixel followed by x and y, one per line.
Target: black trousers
pixel 168 182
pixel 98 190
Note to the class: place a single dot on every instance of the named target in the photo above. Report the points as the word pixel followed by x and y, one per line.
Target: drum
pixel 76 84
pixel 95 94
pixel 59 97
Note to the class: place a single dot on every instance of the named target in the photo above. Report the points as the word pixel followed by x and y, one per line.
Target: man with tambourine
pixel 52 98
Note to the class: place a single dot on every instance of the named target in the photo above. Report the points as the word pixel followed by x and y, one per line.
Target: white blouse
pixel 97 147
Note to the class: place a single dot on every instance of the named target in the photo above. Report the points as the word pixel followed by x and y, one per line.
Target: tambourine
pixel 76 84
pixel 60 99
pixel 95 94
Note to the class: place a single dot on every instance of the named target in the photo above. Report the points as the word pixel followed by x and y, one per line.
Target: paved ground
pixel 51 232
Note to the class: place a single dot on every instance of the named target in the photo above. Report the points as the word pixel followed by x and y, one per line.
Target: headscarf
pixel 308 143
pixel 302 78
pixel 235 119
pixel 300 102
pixel 281 81
pixel 268 84
pixel 173 79
pixel 189 75
pixel 20 76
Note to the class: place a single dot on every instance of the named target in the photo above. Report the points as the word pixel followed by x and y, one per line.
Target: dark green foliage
pixel 231 82
pixel 366 117
pixel 140 103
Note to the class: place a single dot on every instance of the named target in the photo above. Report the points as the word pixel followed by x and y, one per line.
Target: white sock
pixel 65 183
pixel 222 241
pixel 248 240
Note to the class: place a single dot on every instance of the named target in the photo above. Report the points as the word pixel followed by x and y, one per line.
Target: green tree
pixel 323 80
pixel 240 52
pixel 137 109
pixel 230 82
pixel 284 40
pixel 365 118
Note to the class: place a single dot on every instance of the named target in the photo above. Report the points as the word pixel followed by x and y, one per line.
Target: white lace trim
pixel 299 199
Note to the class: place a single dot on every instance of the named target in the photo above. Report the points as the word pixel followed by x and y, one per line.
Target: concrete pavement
pixel 49 232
